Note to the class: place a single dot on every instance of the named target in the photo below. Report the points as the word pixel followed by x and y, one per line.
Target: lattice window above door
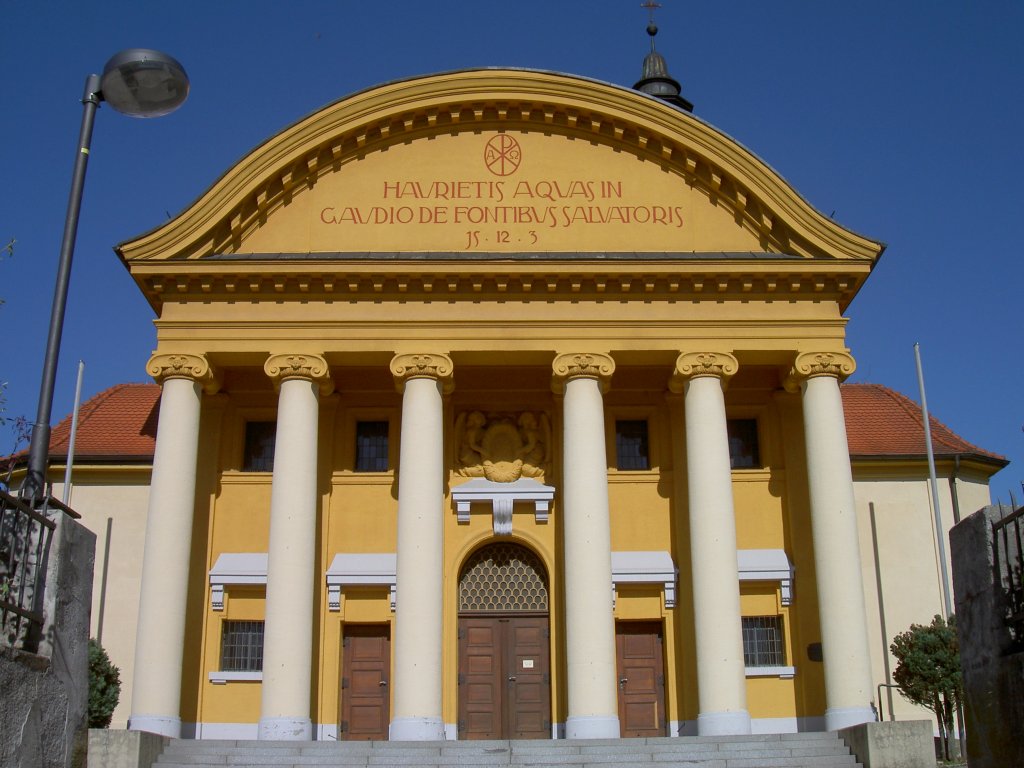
pixel 503 577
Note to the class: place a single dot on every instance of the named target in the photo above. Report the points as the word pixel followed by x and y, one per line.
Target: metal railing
pixel 26 535
pixel 1008 560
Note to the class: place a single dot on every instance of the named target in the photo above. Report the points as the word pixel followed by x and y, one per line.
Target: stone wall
pixel 45 700
pixel 993 675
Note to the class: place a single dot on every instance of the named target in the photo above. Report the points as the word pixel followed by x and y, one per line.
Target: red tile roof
pixel 881 422
pixel 120 423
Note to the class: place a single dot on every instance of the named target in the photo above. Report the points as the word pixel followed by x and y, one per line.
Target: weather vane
pixel 652 28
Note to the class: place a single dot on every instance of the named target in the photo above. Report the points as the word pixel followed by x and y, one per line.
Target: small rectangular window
pixel 241 646
pixel 631 445
pixel 258 455
pixel 371 446
pixel 744 452
pixel 762 641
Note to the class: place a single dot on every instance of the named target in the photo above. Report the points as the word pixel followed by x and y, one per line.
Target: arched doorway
pixel 504 645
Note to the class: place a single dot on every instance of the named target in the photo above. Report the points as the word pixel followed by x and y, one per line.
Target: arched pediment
pixel 529 161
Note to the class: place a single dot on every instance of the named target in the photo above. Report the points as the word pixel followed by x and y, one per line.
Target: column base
pixel 285 729
pixel 592 727
pixel 416 729
pixel 164 726
pixel 723 723
pixel 844 717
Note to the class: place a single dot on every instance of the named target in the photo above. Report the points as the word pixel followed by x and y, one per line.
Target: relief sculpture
pixel 502 446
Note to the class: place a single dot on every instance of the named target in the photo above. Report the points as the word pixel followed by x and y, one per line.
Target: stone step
pixel 802 750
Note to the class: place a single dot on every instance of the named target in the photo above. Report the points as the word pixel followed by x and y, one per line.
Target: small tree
pixel 104 686
pixel 928 671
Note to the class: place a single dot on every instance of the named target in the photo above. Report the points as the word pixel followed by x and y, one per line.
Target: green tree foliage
pixel 104 686
pixel 928 670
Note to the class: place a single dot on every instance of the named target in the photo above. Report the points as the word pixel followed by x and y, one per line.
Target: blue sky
pixel 905 119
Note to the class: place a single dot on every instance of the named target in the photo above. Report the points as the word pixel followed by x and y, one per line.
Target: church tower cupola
pixel 655 79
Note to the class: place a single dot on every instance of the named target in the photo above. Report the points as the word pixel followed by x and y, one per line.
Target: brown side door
pixel 638 651
pixel 504 677
pixel 366 673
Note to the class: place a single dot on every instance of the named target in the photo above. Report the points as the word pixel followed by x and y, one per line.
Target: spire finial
pixel 652 28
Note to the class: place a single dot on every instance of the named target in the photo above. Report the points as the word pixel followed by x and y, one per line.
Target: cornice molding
pixel 690 365
pixel 425 365
pixel 348 130
pixel 574 365
pixel 163 366
pixel 308 367
pixel 809 365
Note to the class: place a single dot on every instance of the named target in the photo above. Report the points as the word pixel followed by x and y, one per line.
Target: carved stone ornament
pixel 502 446
pixel 184 366
pixel 309 367
pixel 838 365
pixel 690 365
pixel 423 366
pixel 591 365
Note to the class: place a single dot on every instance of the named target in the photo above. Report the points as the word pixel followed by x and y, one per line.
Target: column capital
pixel 575 365
pixel 300 366
pixel 163 366
pixel 690 365
pixel 426 365
pixel 809 365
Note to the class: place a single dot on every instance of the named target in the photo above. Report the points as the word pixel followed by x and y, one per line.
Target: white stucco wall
pixel 900 560
pixel 122 496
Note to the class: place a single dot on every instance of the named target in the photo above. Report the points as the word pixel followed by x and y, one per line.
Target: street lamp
pixel 136 82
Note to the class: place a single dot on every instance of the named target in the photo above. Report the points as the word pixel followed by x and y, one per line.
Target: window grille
pixel 762 641
pixel 744 450
pixel 372 446
pixel 241 646
pixel 259 446
pixel 631 445
pixel 503 577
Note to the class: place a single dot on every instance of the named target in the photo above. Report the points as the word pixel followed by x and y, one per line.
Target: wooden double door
pixel 365 682
pixel 504 677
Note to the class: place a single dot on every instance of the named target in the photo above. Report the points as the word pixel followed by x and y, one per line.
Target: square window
pixel 258 455
pixel 744 451
pixel 762 641
pixel 371 446
pixel 241 646
pixel 631 445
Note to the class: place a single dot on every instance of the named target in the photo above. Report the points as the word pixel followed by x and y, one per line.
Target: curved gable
pixel 499 161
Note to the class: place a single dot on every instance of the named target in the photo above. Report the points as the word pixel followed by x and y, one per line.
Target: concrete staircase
pixel 791 750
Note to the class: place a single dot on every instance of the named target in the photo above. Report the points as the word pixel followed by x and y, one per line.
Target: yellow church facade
pixel 500 404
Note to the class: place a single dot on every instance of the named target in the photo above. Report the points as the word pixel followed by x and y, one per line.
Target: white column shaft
pixel 416 714
pixel 291 563
pixel 589 623
pixel 160 634
pixel 721 676
pixel 848 689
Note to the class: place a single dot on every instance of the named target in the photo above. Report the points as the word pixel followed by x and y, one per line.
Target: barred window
pixel 371 446
pixel 631 445
pixel 762 641
pixel 241 646
pixel 744 451
pixel 258 455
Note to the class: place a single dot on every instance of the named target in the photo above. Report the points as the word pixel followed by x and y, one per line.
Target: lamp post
pixel 136 82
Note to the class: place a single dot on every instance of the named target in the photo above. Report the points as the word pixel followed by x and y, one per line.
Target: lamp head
pixel 142 83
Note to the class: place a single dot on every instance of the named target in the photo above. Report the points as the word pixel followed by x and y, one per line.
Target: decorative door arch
pixel 504 645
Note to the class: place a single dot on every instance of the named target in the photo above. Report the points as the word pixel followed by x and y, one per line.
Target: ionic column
pixel 721 676
pixel 416 713
pixel 291 559
pixel 589 624
pixel 160 634
pixel 848 689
